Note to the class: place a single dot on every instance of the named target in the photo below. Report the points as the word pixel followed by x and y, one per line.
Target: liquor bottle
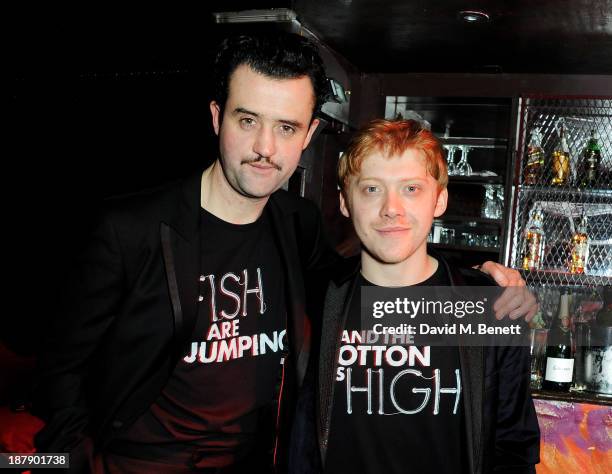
pixel 559 358
pixel 535 158
pixel 589 166
pixel 580 248
pixel 561 161
pixel 534 243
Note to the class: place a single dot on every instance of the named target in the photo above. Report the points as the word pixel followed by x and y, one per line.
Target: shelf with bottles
pixel 566 143
pixel 571 344
pixel 566 244
pixel 563 175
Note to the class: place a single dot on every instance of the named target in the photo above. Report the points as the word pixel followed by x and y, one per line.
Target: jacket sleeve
pixel 517 435
pixel 90 301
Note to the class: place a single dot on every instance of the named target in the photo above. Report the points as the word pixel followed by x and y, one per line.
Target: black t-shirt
pixel 226 381
pixel 392 423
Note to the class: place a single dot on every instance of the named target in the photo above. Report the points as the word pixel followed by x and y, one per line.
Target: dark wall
pixel 78 138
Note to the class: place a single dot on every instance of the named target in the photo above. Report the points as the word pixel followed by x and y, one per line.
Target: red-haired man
pixel 447 409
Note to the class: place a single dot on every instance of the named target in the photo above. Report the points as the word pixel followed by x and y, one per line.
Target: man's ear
pixel 441 203
pixel 311 130
pixel 343 207
pixel 215 111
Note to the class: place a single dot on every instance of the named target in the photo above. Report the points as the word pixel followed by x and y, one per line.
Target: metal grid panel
pixel 562 205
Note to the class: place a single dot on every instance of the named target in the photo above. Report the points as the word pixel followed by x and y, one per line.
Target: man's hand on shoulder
pixel 517 300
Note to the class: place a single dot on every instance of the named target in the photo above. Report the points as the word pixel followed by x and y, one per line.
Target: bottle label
pixel 559 370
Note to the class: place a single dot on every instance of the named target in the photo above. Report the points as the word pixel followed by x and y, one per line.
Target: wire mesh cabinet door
pixel 563 178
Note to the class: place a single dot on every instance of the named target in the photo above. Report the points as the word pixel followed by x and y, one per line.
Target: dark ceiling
pixel 523 36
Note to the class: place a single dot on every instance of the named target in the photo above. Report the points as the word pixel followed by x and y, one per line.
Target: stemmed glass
pixel 450 159
pixel 463 168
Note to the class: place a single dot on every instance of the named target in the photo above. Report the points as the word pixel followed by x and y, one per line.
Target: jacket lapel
pixel 471 360
pixel 181 251
pixel 335 312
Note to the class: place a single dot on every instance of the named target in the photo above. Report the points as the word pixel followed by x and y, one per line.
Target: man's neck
pixel 415 269
pixel 221 200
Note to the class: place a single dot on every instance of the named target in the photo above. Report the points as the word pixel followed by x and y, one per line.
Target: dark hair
pixel 278 55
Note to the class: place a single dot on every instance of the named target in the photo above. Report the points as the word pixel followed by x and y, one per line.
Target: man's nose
pixel 392 205
pixel 265 143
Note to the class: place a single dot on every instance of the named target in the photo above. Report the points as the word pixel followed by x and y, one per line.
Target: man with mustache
pixel 185 335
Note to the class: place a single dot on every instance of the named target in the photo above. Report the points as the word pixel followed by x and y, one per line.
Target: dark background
pixel 102 103
pixel 105 100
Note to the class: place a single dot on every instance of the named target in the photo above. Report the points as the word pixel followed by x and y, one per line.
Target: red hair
pixel 392 138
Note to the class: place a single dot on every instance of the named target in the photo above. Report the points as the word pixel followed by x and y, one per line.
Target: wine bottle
pixel 559 358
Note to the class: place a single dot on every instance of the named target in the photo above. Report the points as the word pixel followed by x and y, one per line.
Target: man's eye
pixel 247 122
pixel 287 130
pixel 371 189
pixel 412 188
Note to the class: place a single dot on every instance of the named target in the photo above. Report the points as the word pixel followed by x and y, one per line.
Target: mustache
pixel 256 159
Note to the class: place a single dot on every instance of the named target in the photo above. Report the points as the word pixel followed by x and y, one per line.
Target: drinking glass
pixel 499 201
pixel 463 168
pixel 447 236
pixel 487 205
pixel 450 159
pixel 468 239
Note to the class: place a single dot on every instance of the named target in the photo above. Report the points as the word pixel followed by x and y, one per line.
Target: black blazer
pixel 131 308
pixel 502 430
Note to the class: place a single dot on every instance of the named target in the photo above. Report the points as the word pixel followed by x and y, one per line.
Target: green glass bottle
pixel 589 166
